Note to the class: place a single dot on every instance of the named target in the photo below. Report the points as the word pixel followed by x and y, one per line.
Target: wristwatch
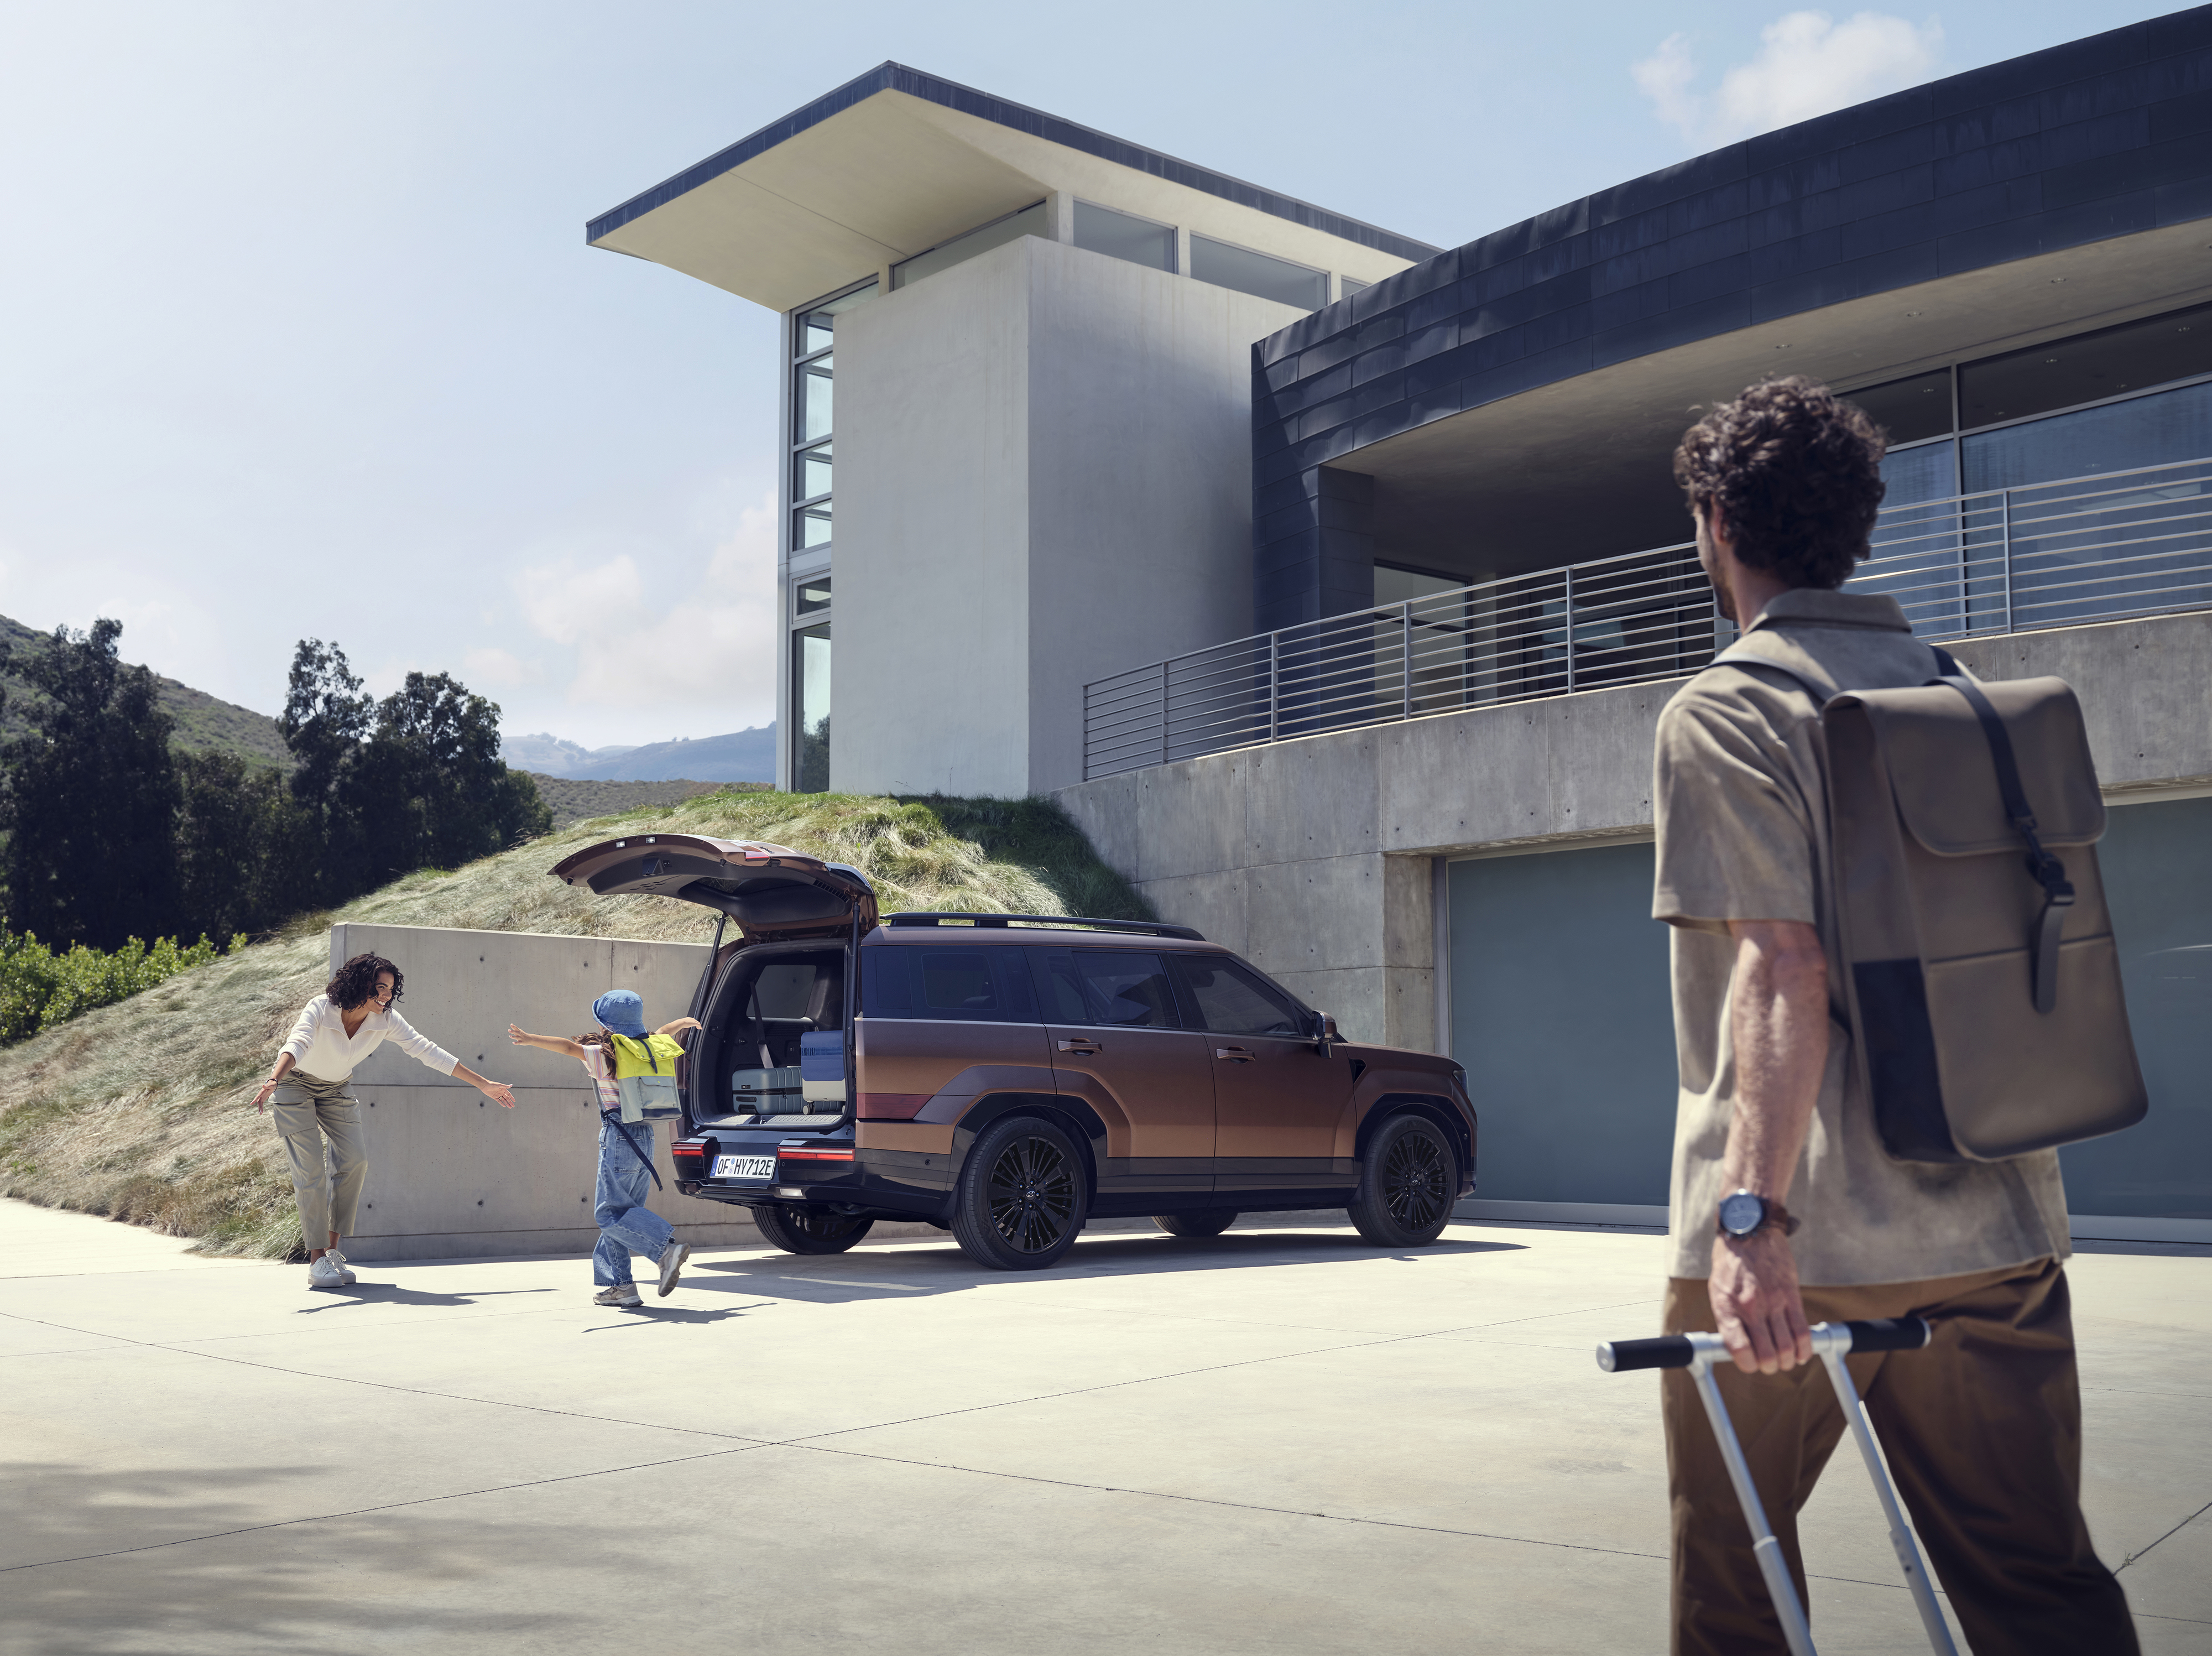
pixel 1743 1214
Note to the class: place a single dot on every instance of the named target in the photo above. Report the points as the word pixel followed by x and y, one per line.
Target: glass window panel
pixel 810 595
pixel 1909 410
pixel 1257 274
pixel 1118 988
pixel 818 326
pixel 1138 241
pixel 1231 1000
pixel 810 527
pixel 1929 471
pixel 2088 366
pixel 983 984
pixel 1394 586
pixel 810 671
pixel 1348 285
pixel 809 473
pixel 1030 221
pixel 2154 431
pixel 811 415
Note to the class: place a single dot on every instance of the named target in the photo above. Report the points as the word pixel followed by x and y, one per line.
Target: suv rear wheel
pixel 804 1230
pixel 1407 1184
pixel 1022 1196
pixel 1207 1221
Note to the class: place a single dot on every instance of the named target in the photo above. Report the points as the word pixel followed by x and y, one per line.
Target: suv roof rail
pixel 1142 927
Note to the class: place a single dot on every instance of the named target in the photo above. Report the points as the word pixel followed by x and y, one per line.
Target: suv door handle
pixel 1235 1054
pixel 1083 1046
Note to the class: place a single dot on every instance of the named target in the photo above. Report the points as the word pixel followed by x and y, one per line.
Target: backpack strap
pixel 2050 872
pixel 624 1132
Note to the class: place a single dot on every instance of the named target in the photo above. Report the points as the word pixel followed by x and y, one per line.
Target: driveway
pixel 1277 1440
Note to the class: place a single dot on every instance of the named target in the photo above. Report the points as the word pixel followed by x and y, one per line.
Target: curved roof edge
pixel 897 77
pixel 2018 97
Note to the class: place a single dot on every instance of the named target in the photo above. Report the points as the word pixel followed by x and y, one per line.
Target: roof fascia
pixel 897 77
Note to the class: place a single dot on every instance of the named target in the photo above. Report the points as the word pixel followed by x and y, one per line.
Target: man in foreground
pixel 1785 1208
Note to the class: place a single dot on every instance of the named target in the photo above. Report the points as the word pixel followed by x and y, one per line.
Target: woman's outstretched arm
pixel 560 1043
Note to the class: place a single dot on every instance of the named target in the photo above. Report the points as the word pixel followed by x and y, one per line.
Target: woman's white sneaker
pixel 622 1294
pixel 325 1273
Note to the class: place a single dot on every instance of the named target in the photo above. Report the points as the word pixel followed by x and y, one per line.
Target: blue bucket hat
pixel 622 1011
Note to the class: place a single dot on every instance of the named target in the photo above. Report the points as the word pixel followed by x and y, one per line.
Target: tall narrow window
pixel 813 464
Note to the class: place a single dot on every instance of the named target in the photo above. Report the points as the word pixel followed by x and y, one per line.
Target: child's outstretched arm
pixel 560 1043
pixel 676 1025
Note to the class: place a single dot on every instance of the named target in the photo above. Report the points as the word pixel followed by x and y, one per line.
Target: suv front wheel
pixel 1407 1185
pixel 1022 1196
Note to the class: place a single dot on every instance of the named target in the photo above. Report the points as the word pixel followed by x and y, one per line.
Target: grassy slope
pixel 138 1111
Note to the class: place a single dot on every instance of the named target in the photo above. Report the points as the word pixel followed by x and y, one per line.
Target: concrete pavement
pixel 1277 1440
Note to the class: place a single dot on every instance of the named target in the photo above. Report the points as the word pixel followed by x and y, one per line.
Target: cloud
pixel 1808 64
pixel 496 669
pixel 709 646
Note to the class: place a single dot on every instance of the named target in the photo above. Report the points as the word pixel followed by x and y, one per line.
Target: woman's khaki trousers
pixel 310 1112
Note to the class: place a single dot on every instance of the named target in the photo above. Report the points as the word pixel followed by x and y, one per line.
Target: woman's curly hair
pixel 1791 474
pixel 354 982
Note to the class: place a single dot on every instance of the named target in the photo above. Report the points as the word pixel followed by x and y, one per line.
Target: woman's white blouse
pixel 320 1046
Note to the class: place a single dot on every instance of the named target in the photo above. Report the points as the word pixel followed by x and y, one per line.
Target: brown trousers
pixel 1983 1434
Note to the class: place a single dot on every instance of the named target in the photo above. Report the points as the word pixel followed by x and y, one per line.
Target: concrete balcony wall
pixel 1314 856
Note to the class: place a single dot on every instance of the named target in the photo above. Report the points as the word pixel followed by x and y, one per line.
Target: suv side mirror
pixel 1325 1035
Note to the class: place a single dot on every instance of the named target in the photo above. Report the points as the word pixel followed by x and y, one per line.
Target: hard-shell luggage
pixel 1831 1342
pixel 1982 976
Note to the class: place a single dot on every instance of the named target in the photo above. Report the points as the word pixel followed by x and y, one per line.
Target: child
pixel 627 1226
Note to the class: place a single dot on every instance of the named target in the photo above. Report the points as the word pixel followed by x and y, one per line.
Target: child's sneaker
pixel 622 1295
pixel 672 1265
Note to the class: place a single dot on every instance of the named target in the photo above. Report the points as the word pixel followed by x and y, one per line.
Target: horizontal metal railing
pixel 2005 560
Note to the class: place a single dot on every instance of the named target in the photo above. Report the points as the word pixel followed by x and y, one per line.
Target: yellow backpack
pixel 645 1076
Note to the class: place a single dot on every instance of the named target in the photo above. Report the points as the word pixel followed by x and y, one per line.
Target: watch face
pixel 1741 1214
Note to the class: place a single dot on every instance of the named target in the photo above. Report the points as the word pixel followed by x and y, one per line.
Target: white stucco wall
pixel 1043 475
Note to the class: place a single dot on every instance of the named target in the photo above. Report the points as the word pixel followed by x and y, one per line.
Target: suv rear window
pixel 981 983
pixel 1123 989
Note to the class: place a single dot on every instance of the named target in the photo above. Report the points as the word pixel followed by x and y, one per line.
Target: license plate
pixel 761 1168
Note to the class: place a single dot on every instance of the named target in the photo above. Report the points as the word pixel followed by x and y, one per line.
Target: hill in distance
pixel 741 755
pixel 203 723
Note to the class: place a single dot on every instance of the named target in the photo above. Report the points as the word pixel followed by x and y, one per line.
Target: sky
pixel 299 335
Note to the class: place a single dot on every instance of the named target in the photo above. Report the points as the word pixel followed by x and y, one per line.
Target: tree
pixel 248 857
pixel 90 799
pixel 412 781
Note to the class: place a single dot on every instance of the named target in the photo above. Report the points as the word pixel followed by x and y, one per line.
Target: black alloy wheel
pixel 1206 1221
pixel 809 1230
pixel 1022 1196
pixel 1407 1184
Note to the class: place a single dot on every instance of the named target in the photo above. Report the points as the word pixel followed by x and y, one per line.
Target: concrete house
pixel 1334 582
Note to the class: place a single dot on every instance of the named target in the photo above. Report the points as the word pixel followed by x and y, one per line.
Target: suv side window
pixel 1124 989
pixel 1231 999
pixel 979 983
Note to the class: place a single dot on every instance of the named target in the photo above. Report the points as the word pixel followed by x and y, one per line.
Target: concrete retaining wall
pixel 452 1174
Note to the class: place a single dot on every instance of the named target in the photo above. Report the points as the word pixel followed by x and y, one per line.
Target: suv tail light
pixel 692 1156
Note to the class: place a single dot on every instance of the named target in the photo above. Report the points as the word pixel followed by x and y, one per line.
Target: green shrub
pixel 39 988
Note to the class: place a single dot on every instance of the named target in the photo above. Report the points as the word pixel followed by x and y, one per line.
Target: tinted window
pixel 785 989
pixel 1231 1000
pixel 1124 988
pixel 987 983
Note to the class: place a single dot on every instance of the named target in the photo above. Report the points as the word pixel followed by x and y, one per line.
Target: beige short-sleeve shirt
pixel 1739 801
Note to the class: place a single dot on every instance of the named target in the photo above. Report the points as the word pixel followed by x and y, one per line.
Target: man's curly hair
pixel 1791 474
pixel 354 982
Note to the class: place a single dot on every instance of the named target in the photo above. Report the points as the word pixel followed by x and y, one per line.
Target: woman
pixel 349 1020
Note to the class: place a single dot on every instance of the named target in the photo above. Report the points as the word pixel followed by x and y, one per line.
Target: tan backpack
pixel 1984 980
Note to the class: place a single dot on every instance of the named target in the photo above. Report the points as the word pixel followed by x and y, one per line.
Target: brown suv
pixel 1008 1077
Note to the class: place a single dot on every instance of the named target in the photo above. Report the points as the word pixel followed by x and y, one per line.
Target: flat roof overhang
pixel 1577 468
pixel 896 162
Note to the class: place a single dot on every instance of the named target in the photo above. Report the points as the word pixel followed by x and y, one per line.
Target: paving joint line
pixel 2168 1536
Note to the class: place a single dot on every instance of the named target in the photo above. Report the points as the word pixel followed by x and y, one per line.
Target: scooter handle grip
pixel 1890 1334
pixel 1667 1351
